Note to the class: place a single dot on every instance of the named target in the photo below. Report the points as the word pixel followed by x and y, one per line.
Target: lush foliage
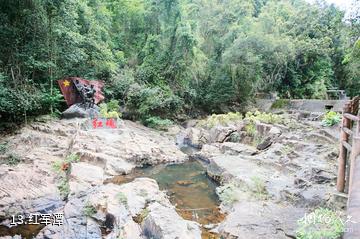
pixel 322 223
pixel 167 58
pixel 110 109
pixel 331 118
pixel 268 118
pixel 62 168
pixel 158 123
pixel 221 119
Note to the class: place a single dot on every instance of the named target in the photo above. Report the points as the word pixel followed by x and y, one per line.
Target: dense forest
pixel 170 58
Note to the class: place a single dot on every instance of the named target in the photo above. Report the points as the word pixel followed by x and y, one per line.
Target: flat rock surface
pixel 32 185
pixel 296 173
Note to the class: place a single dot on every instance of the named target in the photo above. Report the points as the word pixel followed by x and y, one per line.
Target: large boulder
pixel 78 111
pixel 116 151
pixel 115 207
pixel 164 222
pixel 261 220
pixel 120 150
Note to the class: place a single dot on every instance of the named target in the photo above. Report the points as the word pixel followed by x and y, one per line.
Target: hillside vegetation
pixel 165 58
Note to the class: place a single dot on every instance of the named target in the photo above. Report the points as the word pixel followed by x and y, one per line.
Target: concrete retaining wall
pixel 303 105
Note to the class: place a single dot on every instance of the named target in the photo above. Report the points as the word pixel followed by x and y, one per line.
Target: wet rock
pixel 116 206
pixel 75 223
pixel 197 137
pixel 184 182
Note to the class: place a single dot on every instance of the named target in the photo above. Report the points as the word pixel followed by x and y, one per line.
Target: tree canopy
pixel 173 57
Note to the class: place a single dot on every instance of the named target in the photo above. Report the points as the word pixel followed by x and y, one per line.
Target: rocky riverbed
pixel 268 178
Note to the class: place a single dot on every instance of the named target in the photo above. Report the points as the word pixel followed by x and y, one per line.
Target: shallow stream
pixel 189 188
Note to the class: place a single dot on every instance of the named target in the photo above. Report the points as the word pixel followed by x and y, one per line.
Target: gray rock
pixel 264 144
pixel 27 189
pixel 122 149
pixel 77 111
pixel 196 137
pixel 164 222
pixel 261 221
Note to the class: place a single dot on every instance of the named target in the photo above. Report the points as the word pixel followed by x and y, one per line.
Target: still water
pixel 189 188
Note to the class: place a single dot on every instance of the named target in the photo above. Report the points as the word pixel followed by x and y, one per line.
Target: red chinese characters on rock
pixel 109 123
pixel 97 124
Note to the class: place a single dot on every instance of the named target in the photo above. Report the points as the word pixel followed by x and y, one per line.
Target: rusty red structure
pixel 72 96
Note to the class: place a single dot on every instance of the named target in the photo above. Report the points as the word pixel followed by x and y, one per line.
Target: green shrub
pixel 110 109
pixel 228 193
pixel 263 117
pixel 251 129
pixel 13 160
pixel 72 158
pixel 3 148
pixel 64 187
pixel 122 199
pixel 320 224
pixel 145 102
pixel 220 119
pixel 89 210
pixel 158 123
pixel 258 187
pixel 119 84
pixel 63 165
pixel 56 166
pixel 280 104
pixel 331 118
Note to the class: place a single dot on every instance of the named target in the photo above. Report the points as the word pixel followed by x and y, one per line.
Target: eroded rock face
pixel 277 184
pixel 198 136
pixel 122 203
pixel 31 186
pixel 27 189
pixel 118 151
